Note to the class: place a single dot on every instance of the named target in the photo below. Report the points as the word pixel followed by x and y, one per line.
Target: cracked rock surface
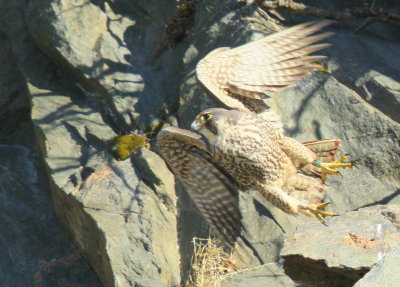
pixel 340 253
pixel 75 74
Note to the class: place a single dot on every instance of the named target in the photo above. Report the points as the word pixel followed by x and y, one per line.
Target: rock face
pixel 385 272
pixel 81 86
pixel 74 74
pixel 340 253
pixel 35 251
pixel 270 274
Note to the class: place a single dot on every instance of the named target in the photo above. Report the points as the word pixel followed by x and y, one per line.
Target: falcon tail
pixel 310 176
pixel 326 150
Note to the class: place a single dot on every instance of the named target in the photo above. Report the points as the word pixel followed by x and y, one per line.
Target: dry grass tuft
pixel 211 264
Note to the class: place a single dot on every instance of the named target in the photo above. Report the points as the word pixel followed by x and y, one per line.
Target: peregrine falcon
pixel 244 147
pixel 258 156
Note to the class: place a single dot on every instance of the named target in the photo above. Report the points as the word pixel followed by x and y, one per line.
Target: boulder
pixel 345 249
pixel 74 74
pixel 91 43
pixel 35 251
pixel 384 273
pixel 121 215
pixel 271 274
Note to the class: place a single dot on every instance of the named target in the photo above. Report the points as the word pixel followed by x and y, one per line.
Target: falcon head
pixel 213 122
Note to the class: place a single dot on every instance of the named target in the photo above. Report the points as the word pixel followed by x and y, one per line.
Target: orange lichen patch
pixel 46 266
pixel 360 242
pixel 97 176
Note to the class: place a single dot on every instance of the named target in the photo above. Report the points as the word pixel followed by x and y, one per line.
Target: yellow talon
pixel 330 167
pixel 316 209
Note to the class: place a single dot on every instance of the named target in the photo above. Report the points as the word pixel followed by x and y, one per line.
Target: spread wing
pixel 210 188
pixel 242 76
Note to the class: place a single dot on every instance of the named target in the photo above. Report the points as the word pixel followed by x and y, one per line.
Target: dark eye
pixel 206 117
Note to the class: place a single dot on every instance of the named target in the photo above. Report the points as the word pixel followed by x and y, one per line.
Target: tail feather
pixel 326 150
pixel 307 184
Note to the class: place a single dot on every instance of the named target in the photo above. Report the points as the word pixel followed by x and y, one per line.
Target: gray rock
pixel 154 173
pixel 339 105
pixel 265 275
pixel 125 228
pixel 35 251
pixel 107 53
pixel 340 253
pixel 265 227
pixel 15 125
pixel 385 273
pixel 331 110
pixel 85 71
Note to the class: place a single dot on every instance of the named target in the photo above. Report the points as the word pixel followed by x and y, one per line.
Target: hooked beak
pixel 195 126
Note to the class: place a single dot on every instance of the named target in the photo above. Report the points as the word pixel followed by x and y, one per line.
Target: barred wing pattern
pixel 270 64
pixel 210 188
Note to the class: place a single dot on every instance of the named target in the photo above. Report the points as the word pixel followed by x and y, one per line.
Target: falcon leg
pixel 303 182
pixel 280 198
pixel 330 167
pixel 298 152
pixel 317 210
pixel 285 202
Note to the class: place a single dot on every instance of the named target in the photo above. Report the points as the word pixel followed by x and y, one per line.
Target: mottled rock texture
pixel 340 253
pixel 74 74
pixel 76 78
pixel 35 251
pixel 270 274
pixel 385 273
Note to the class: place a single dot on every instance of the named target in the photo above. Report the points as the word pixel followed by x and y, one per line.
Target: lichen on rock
pixel 75 74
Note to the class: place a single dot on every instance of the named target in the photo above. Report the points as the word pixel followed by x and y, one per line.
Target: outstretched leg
pixel 330 167
pixel 317 210
pixel 280 198
pixel 291 205
pixel 302 154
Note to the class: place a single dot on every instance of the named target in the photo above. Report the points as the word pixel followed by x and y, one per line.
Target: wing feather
pixel 270 64
pixel 210 188
pixel 326 150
